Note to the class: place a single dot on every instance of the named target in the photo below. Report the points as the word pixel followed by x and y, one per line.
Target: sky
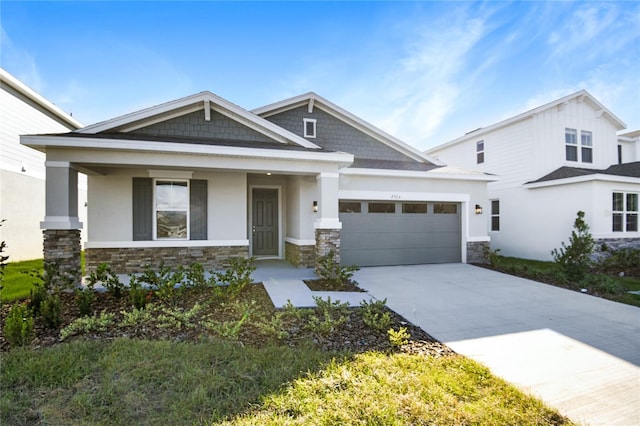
pixel 426 72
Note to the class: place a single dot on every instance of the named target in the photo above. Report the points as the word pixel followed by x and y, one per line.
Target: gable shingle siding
pixel 194 125
pixel 336 135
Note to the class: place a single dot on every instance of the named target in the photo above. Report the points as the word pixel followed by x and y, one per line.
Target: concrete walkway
pixel 284 283
pixel 578 353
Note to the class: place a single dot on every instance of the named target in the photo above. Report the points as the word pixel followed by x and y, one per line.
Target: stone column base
pixel 303 256
pixel 327 240
pixel 477 252
pixel 62 248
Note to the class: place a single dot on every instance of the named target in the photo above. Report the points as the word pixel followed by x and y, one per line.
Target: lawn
pixel 127 382
pixel 609 286
pixel 17 283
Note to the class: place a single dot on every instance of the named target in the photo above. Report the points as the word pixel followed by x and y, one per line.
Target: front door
pixel 264 229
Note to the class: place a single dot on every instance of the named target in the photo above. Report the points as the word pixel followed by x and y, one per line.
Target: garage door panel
pixel 372 239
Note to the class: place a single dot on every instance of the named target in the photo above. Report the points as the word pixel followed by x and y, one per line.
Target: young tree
pixel 575 258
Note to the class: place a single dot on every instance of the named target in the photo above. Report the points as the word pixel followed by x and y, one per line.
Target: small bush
pixel 493 256
pixel 18 327
pixel 236 277
pixel 139 295
pixel 328 316
pixel 87 325
pixel 375 314
pixel 84 299
pixel 398 338
pixel 334 273
pixel 626 261
pixel 37 295
pixel 51 311
pixel 602 284
pixel 575 258
pixel 109 280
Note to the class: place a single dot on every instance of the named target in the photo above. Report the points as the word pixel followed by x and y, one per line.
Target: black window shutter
pixel 198 209
pixel 142 209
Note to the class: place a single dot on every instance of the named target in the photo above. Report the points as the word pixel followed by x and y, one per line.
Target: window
pixel 445 208
pixel 571 144
pixel 585 153
pixel 408 208
pixel 382 207
pixel 585 147
pixel 309 127
pixel 480 152
pixel 171 209
pixel 625 212
pixel 495 215
pixel 350 207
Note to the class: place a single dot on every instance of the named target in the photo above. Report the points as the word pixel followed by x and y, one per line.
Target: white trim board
pixel 403 196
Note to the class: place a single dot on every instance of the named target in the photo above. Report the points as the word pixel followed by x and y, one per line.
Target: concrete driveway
pixel 578 353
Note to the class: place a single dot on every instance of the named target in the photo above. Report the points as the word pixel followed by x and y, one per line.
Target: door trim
pixel 278 188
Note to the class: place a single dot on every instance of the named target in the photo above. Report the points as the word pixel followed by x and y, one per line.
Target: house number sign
pixel 395 196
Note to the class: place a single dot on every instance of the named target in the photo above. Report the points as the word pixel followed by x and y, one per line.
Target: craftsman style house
pixel 200 179
pixel 552 162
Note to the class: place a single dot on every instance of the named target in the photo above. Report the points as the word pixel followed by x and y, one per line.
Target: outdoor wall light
pixel 478 209
pixel 315 207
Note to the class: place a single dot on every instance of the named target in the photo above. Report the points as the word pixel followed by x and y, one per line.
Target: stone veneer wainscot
pixel 134 260
pixel 303 256
pixel 477 251
pixel 62 247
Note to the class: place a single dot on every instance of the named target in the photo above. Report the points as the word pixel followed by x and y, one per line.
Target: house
pixel 200 179
pixel 553 161
pixel 22 169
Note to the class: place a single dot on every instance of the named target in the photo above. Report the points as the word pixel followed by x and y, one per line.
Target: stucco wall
pixel 110 205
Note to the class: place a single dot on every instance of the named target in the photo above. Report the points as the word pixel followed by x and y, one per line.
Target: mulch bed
pixel 352 336
pixel 325 285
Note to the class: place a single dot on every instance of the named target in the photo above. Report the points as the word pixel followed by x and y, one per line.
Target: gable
pixel 336 135
pixel 194 125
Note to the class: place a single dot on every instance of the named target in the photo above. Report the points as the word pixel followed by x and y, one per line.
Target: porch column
pixel 61 226
pixel 327 225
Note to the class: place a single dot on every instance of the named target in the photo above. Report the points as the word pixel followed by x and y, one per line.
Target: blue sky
pixel 426 72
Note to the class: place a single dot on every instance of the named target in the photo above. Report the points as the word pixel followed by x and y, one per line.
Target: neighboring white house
pixel 553 161
pixel 22 169
pixel 200 179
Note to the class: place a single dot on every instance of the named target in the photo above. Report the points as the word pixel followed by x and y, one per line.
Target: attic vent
pixel 309 127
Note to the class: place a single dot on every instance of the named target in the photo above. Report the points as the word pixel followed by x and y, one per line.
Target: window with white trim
pixel 171 209
pixel 495 215
pixel 625 212
pixel 479 152
pixel 582 153
pixel 586 148
pixel 309 127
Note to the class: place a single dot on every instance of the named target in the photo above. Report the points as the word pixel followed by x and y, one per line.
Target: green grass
pixel 549 272
pixel 140 382
pixel 17 283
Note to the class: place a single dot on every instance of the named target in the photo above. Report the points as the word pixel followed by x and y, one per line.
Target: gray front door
pixel 265 222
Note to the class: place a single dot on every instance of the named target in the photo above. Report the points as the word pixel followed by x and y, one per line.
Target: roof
pixel 582 94
pixel 21 89
pixel 630 135
pixel 626 169
pixel 200 101
pixel 312 100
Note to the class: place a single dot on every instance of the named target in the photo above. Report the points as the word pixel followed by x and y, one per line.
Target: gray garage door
pixel 377 233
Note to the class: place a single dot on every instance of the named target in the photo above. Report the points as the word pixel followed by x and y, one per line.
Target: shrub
pixel 375 314
pixel 195 277
pixel 18 327
pixel 330 270
pixel 87 325
pixel 3 261
pixel 626 261
pixel 51 311
pixel 328 316
pixel 575 258
pixel 84 299
pixel 139 295
pixel 109 280
pixel 493 256
pixel 398 338
pixel 37 295
pixel 602 284
pixel 236 277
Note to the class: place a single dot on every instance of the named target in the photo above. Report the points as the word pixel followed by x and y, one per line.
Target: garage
pixel 380 233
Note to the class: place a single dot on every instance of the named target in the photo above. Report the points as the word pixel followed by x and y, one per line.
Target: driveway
pixel 580 354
